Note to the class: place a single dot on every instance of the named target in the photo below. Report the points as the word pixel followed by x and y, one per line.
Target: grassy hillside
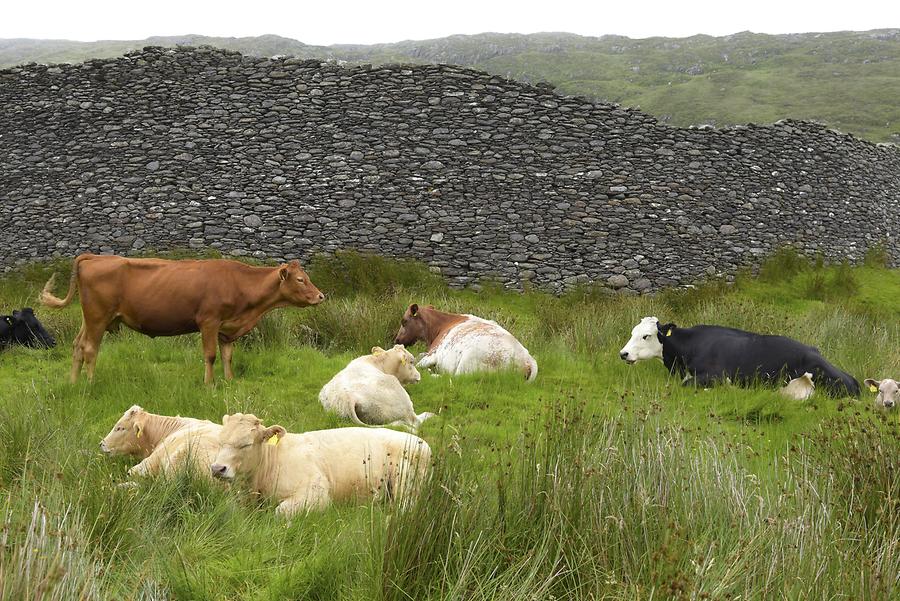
pixel 599 480
pixel 845 79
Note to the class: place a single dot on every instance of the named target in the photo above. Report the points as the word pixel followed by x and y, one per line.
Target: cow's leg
pixel 427 361
pixel 316 498
pixel 90 346
pixel 77 355
pixel 226 349
pixel 209 333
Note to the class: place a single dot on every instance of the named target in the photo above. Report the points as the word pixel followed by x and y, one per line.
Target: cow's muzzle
pixel 624 356
pixel 219 471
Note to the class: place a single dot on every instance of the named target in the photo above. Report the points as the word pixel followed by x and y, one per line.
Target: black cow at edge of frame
pixel 23 327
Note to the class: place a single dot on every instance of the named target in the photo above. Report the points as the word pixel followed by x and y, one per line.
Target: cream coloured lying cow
pixel 164 442
pixel 461 344
pixel 887 392
pixel 800 388
pixel 370 390
pixel 309 471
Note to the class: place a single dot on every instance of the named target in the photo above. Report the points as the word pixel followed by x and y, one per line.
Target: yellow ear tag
pixel 873 388
pixel 138 435
pixel 274 440
pixel 669 333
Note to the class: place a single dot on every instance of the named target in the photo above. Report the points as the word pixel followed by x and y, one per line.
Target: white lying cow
pixel 461 344
pixel 888 392
pixel 164 442
pixel 370 390
pixel 311 470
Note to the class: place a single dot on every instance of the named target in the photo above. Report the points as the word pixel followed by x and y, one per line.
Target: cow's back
pixel 477 345
pixel 736 353
pixel 363 461
pixel 157 297
pixel 363 387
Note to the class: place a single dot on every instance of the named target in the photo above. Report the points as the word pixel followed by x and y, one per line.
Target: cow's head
pixel 242 439
pixel 646 341
pixel 28 331
pixel 412 327
pixel 125 437
pixel 296 286
pixel 397 362
pixel 888 392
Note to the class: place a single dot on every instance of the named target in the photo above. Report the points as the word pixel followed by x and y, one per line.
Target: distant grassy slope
pixel 845 79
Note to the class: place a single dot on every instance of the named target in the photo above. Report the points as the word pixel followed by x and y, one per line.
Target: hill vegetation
pixel 844 79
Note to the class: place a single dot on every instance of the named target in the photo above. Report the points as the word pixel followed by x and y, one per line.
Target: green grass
pixel 597 481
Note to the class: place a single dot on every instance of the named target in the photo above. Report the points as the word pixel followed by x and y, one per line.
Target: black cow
pixel 22 327
pixel 712 353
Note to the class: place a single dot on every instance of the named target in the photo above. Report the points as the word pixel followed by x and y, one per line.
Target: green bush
pixel 350 273
pixel 783 265
pixel 877 256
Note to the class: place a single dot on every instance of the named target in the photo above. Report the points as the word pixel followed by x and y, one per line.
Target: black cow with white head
pixel 713 353
pixel 22 327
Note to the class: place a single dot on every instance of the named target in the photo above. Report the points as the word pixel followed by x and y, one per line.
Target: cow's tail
pixel 531 369
pixel 355 418
pixel 48 299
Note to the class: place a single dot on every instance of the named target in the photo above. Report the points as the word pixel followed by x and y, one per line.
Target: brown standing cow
pixel 219 298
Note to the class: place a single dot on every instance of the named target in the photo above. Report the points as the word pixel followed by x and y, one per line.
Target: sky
pixel 351 21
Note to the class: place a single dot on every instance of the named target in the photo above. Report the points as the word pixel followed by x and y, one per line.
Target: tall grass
pixel 583 507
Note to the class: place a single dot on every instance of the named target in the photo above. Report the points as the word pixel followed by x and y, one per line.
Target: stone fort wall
pixel 474 174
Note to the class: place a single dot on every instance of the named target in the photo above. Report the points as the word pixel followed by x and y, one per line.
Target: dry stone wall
pixel 472 173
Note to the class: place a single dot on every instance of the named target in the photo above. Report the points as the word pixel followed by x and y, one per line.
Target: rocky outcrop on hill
pixel 477 175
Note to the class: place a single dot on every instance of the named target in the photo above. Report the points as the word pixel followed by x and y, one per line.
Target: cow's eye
pixel 647 337
pixel 301 280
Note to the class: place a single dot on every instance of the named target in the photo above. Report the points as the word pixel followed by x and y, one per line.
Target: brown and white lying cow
pixel 887 392
pixel 370 390
pixel 461 344
pixel 221 299
pixel 309 471
pixel 165 443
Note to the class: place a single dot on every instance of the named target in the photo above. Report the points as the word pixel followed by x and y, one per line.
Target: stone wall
pixel 475 174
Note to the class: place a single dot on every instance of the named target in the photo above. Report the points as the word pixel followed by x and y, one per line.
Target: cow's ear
pixel 872 384
pixel 138 429
pixel 283 272
pixel 665 329
pixel 413 309
pixel 134 410
pixel 377 350
pixel 271 432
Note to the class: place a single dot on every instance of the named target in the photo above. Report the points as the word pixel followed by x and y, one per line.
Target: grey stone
pixel 617 281
pixel 252 221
